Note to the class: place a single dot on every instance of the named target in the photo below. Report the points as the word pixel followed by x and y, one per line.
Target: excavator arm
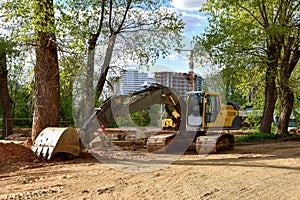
pixel 122 105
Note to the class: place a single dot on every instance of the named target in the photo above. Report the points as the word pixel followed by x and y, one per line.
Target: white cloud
pixel 193 21
pixel 188 4
pixel 193 16
pixel 173 56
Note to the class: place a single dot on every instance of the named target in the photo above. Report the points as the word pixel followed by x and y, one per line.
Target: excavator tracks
pixel 214 143
pixel 163 141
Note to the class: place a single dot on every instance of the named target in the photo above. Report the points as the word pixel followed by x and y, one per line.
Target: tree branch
pixel 110 16
pixel 124 16
pixel 101 17
pixel 246 9
pixel 292 10
pixel 278 11
pixel 263 12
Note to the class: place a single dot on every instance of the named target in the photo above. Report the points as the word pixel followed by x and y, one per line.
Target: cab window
pixel 212 108
pixel 195 109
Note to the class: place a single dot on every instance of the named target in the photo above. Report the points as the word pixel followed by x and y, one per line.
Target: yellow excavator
pixel 199 120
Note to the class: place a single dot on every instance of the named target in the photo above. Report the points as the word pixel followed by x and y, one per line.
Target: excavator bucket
pixel 54 140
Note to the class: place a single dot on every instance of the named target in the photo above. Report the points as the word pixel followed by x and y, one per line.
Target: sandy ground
pixel 260 170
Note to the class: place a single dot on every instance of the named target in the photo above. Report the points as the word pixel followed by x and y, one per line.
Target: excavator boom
pixel 122 105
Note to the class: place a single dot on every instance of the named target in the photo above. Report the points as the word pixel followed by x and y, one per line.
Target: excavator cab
pixel 195 109
pixel 205 111
pixel 206 114
pixel 203 108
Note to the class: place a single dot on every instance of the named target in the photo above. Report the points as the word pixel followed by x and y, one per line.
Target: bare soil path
pixel 254 170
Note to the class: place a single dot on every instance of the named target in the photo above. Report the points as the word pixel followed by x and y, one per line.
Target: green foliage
pixel 257 137
pixel 23 105
pixel 8 46
pixel 253 118
pixel 19 85
pixel 26 20
pixel 147 34
pixel 295 83
pixel 147 117
pixel 234 43
pixel 141 118
pixel 254 42
pixel 236 37
pixel 144 32
pixel 70 68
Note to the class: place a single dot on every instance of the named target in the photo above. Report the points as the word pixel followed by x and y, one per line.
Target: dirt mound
pixel 12 154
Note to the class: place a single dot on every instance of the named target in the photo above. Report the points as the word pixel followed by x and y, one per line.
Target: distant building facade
pixel 132 80
pixel 181 82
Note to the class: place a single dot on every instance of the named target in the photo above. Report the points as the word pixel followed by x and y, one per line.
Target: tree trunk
pixel 89 89
pixel 46 75
pixel 286 102
pixel 5 100
pixel 92 42
pixel 105 66
pixel 289 62
pixel 270 100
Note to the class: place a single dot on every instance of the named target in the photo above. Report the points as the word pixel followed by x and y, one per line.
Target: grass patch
pixel 257 137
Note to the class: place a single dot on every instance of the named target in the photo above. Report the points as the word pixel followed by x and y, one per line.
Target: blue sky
pixel 189 9
pixel 196 23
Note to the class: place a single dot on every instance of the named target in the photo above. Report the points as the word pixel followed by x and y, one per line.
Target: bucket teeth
pixel 33 149
pixel 50 151
pixel 45 152
pixel 39 151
